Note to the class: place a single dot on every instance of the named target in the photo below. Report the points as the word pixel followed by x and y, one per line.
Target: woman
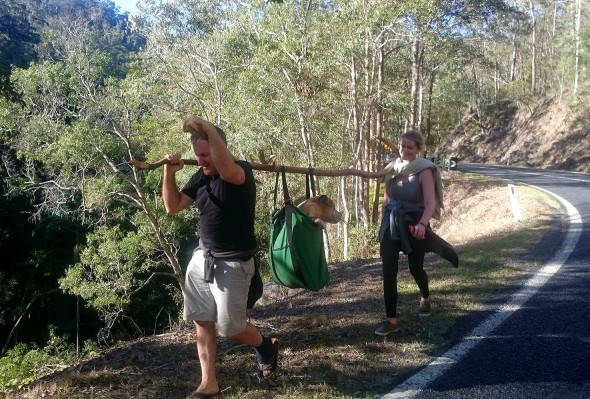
pixel 413 195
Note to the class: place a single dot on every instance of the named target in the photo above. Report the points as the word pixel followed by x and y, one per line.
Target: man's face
pixel 201 148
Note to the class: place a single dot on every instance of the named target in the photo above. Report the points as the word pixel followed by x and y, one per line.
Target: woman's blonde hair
pixel 416 137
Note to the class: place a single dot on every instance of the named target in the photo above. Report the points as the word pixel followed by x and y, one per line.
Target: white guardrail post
pixel 515 204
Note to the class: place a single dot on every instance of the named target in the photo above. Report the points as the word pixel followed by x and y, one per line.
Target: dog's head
pixel 321 208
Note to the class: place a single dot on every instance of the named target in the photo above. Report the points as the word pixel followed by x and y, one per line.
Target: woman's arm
pixel 427 181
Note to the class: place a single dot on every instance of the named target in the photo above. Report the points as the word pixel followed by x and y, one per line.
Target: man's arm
pixel 389 144
pixel 222 158
pixel 174 200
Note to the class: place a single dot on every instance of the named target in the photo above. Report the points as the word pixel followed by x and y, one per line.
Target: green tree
pixel 46 137
pixel 18 38
pixel 310 83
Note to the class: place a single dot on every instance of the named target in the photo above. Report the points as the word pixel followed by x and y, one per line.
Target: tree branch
pixel 16 325
pixel 277 168
pixel 146 282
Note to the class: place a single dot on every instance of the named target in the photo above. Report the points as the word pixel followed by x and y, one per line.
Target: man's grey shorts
pixel 224 300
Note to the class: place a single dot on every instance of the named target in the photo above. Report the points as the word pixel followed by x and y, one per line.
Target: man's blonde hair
pixel 195 137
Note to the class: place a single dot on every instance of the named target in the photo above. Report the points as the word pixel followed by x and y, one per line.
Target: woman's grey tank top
pixel 406 189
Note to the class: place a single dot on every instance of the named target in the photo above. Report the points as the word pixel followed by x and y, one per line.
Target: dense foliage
pixel 87 244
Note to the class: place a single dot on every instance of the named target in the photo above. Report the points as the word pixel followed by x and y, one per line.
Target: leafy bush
pixel 20 366
pixel 23 363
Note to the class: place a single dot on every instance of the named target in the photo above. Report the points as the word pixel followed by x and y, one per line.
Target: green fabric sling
pixel 297 258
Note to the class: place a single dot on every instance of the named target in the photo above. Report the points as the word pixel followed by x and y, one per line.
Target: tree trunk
pixel 358 137
pixel 578 46
pixel 365 163
pixel 420 102
pixel 429 109
pixel 378 128
pixel 533 48
pixel 554 26
pixel 416 48
pixel 163 244
pixel 343 206
pixel 513 60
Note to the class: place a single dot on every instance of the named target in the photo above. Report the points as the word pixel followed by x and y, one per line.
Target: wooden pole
pixel 142 165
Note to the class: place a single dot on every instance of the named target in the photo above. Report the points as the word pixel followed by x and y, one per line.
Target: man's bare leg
pixel 252 337
pixel 207 350
pixel 249 336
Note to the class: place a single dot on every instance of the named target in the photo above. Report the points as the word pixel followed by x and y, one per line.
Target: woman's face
pixel 408 151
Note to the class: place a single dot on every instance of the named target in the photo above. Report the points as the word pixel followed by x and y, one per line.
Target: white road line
pixel 413 385
pixel 554 177
pixel 537 174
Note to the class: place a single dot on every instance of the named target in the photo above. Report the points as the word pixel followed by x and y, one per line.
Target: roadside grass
pixel 328 349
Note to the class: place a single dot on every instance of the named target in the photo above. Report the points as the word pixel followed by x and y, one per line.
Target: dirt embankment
pixel 546 135
pixel 328 347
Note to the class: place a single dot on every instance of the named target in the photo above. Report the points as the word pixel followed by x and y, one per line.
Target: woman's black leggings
pixel 390 250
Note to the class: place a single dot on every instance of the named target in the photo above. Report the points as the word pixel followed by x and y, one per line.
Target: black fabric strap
pixel 286 197
pixel 276 189
pixel 289 209
pixel 209 272
pixel 210 257
pixel 309 184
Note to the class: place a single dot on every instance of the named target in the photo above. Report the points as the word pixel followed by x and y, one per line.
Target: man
pixel 219 273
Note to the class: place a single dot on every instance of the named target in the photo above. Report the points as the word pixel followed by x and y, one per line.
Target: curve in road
pixel 415 385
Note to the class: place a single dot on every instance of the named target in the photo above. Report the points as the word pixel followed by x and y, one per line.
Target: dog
pixel 321 210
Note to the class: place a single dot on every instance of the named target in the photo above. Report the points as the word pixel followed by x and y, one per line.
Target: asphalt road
pixel 536 343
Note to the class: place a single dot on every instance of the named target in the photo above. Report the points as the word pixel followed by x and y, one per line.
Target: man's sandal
pixel 266 370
